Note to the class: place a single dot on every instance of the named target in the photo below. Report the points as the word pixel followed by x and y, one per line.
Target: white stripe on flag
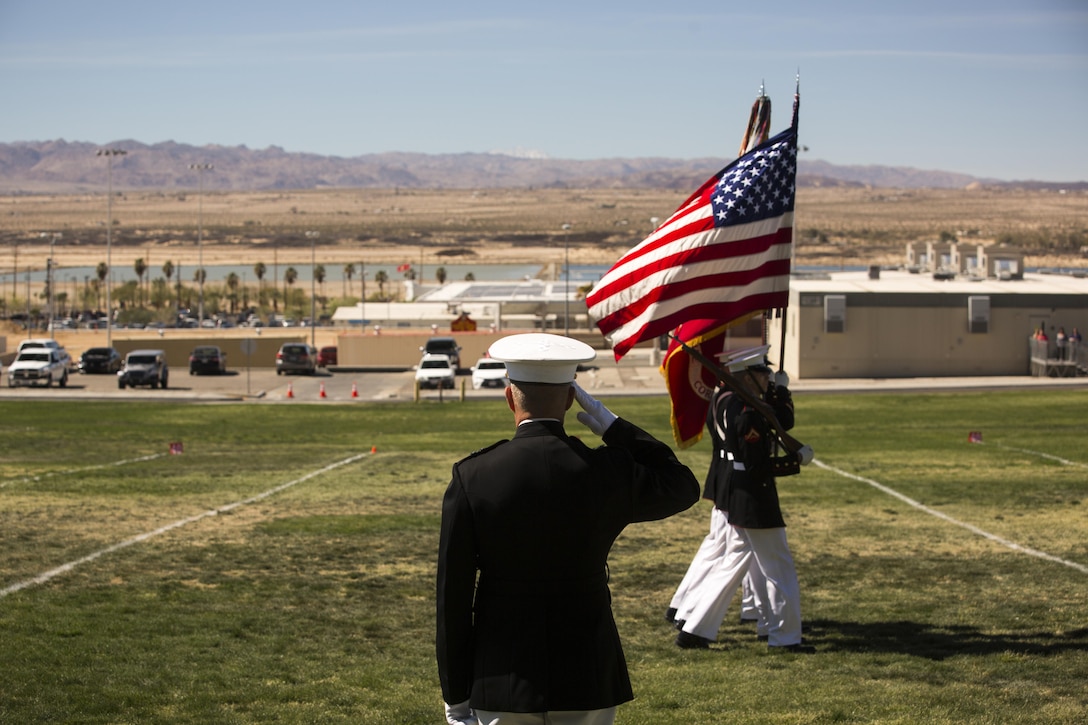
pixel 763 285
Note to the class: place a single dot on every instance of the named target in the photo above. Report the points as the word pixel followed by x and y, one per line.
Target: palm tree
pixel 290 276
pixel 259 269
pixel 168 272
pixel 349 272
pixel 440 275
pixel 101 271
pixel 140 267
pixel 232 285
pixel 319 277
pixel 381 278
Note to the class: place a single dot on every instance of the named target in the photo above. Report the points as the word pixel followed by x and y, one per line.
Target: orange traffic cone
pixel 373 450
pixel 290 391
pixel 321 393
pixel 354 390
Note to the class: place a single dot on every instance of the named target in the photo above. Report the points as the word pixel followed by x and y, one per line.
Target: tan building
pixel 898 324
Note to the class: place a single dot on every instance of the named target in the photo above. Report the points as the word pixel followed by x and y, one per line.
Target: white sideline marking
pixel 1063 461
pixel 150 457
pixel 973 529
pixel 64 568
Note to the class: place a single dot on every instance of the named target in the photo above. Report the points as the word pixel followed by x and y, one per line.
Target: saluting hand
pixel 596 417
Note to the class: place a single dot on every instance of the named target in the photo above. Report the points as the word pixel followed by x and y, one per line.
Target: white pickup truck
pixel 38 366
pixel 47 342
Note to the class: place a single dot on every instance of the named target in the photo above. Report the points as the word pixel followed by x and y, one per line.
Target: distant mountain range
pixel 73 167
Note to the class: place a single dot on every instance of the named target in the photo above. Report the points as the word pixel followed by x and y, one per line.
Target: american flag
pixel 724 254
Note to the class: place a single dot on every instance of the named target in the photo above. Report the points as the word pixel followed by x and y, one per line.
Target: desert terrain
pixel 835 226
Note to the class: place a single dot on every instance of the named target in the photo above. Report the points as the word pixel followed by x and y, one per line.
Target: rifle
pixel 802 452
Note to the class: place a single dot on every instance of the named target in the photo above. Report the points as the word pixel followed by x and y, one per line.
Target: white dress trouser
pixel 708 557
pixel 777 592
pixel 710 550
pixel 709 601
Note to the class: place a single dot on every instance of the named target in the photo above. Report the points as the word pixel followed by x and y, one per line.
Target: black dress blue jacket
pixel 524 616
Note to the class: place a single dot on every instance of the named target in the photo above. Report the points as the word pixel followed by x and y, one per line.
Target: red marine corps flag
pixel 721 258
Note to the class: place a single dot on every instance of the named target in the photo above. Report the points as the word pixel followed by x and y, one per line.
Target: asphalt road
pixel 633 376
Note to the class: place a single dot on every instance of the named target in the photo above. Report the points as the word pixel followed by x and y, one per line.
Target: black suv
pixel 207 359
pixel 296 357
pixel 144 367
pixel 444 346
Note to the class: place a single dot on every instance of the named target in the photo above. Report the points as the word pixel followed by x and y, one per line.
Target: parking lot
pixel 262 384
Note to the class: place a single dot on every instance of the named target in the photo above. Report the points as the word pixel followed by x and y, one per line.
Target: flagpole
pixel 793 235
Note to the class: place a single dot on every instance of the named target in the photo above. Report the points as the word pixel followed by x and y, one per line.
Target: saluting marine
pixel 524 621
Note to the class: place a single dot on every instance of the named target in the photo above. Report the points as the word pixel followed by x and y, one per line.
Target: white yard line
pixel 64 568
pixel 973 529
pixel 25 479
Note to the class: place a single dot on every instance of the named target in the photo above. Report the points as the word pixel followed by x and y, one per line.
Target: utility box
pixel 835 313
pixel 978 313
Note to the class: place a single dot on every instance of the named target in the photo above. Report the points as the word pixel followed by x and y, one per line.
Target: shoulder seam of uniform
pixel 485 450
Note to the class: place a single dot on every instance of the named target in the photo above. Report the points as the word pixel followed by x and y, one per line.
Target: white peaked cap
pixel 537 357
pixel 749 357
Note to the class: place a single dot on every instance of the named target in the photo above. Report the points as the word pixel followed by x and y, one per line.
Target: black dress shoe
pixel 680 624
pixel 686 640
pixel 799 649
pixel 670 615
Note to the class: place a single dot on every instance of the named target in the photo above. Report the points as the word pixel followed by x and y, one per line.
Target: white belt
pixel 737 465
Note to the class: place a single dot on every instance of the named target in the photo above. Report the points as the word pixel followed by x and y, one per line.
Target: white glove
pixel 806 454
pixel 781 379
pixel 460 714
pixel 596 417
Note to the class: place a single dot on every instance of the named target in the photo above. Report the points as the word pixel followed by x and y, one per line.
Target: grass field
pixel 281 568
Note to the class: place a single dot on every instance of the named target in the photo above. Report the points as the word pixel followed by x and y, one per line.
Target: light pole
pixel 566 269
pixel 200 168
pixel 15 276
pixel 109 154
pixel 313 290
pixel 50 273
pixel 362 294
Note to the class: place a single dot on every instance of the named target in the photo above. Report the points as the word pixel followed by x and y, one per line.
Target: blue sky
pixel 996 89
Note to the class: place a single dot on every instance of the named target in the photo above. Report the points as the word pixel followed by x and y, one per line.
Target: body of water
pixel 334 273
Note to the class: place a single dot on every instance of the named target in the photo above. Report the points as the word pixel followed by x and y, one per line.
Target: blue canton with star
pixel 759 185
